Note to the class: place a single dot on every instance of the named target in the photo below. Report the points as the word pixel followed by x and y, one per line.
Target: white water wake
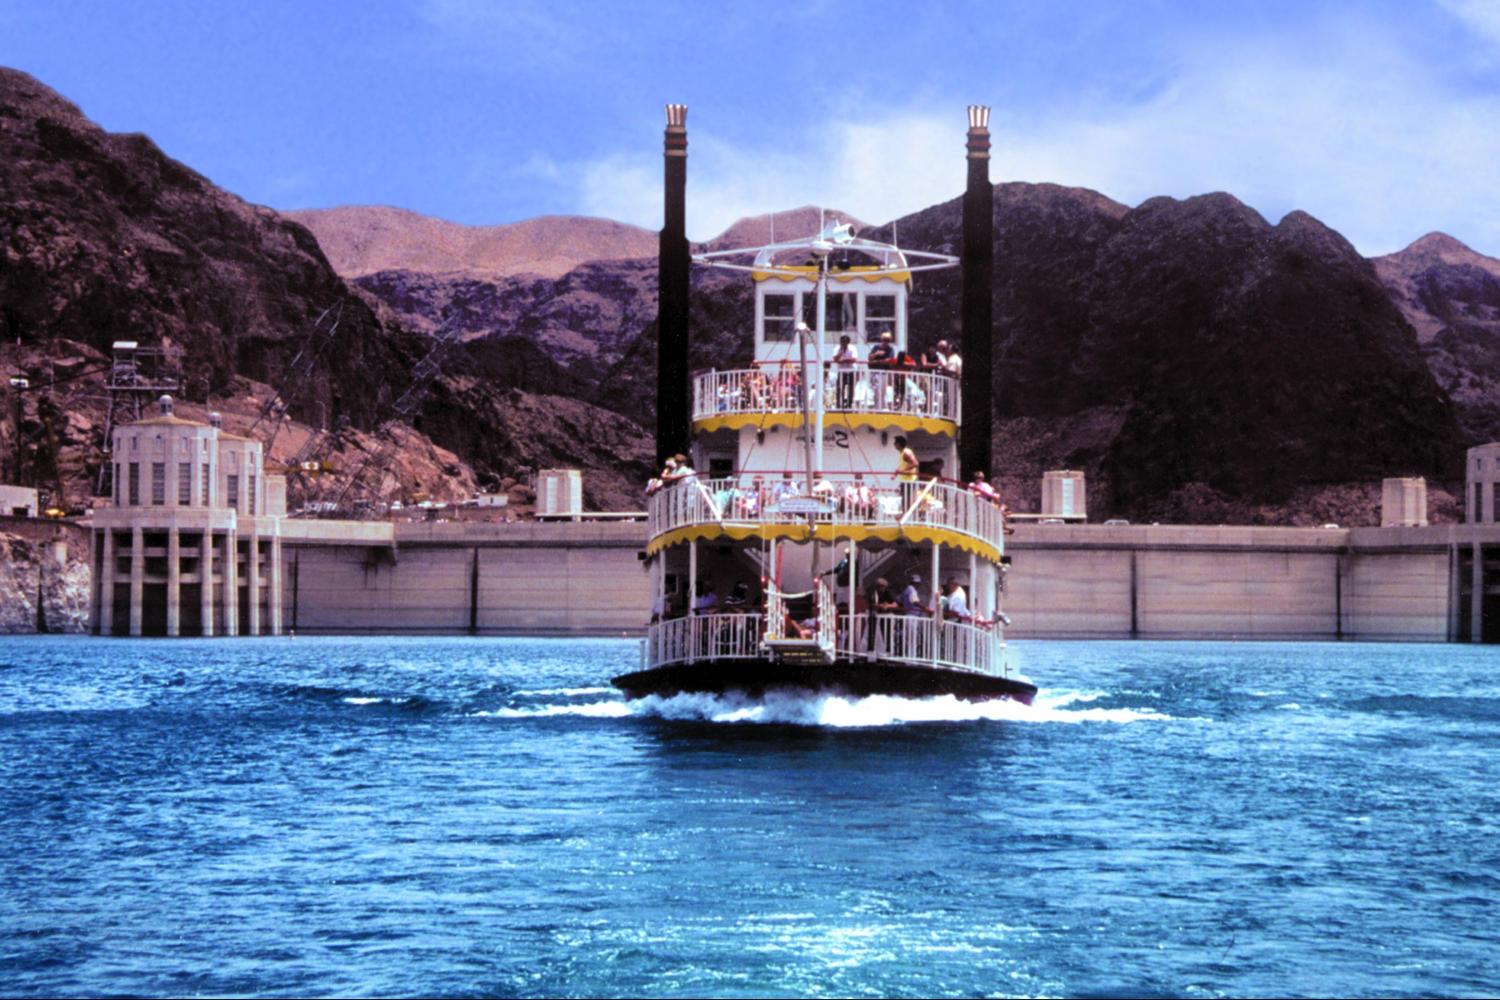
pixel 839 712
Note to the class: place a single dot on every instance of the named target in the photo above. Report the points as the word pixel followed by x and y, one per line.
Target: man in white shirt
pixel 955 602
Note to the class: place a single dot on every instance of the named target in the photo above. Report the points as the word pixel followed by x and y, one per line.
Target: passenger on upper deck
pixel 906 465
pixel 980 487
pixel 884 352
pixel 785 489
pixel 936 357
pixel 954 366
pixel 859 502
pixel 668 473
pixel 846 359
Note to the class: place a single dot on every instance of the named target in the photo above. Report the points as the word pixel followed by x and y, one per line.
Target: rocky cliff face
pixel 1451 296
pixel 1178 346
pixel 44 578
pixel 103 237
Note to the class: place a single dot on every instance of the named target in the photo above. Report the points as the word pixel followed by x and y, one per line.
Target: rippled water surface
pixel 484 816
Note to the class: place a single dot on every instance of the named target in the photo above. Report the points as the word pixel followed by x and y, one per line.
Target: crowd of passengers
pixel 856 498
pixel 887 381
pixel 950 604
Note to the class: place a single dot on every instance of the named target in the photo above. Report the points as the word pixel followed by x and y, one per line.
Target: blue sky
pixel 1381 118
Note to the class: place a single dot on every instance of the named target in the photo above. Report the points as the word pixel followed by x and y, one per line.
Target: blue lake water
pixel 484 816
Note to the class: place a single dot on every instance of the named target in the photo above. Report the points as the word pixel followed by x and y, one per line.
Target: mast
pixel 974 437
pixel 673 434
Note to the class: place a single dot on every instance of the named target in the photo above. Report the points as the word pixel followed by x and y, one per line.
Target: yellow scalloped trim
pixel 740 531
pixel 875 421
pixel 809 273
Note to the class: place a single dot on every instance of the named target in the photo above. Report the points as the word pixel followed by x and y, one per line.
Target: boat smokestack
pixel 672 385
pixel 974 438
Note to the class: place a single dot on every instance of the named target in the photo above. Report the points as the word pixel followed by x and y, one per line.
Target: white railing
pixel 924 640
pixel 918 640
pixel 776 616
pixel 825 613
pixel 864 389
pixel 828 618
pixel 704 637
pixel 873 500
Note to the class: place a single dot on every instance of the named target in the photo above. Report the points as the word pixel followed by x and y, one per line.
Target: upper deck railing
pixel 777 388
pixel 850 499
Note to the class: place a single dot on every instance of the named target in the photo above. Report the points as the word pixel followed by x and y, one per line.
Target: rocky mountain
pixel 365 239
pixel 1188 354
pixel 1451 297
pixel 1190 342
pixel 103 237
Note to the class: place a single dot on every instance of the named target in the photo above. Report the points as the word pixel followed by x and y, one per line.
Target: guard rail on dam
pixel 1067 581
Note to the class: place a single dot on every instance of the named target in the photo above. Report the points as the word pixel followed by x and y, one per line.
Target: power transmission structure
pixel 362 484
pixel 275 411
pixel 137 375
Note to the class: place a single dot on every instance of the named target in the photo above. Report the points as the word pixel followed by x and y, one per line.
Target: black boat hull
pixel 858 679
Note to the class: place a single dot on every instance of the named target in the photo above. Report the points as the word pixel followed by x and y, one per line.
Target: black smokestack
pixel 672 386
pixel 978 264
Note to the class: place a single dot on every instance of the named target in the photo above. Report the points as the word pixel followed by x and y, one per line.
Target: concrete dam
pixel 1421 584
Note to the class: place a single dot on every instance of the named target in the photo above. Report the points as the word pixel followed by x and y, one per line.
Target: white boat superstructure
pixel 820 540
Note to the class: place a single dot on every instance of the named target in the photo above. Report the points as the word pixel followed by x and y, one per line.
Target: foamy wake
pixel 836 712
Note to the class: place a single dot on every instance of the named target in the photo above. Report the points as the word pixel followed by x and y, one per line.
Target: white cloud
pixel 1351 129
pixel 873 170
pixel 1481 16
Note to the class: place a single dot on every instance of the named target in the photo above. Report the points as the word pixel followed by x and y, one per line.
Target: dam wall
pixel 528 578
pixel 1191 582
pixel 1417 584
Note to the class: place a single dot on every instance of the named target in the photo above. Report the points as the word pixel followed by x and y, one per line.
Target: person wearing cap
pixel 881 602
pixel 911 597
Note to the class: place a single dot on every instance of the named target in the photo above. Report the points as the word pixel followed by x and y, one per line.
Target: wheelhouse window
pixel 880 315
pixel 780 316
pixel 842 316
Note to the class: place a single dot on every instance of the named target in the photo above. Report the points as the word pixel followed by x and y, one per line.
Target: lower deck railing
pixel 914 639
pixel 921 640
pixel 704 637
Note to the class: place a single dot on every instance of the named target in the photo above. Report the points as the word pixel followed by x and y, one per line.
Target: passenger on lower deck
pixel 911 598
pixel 955 602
